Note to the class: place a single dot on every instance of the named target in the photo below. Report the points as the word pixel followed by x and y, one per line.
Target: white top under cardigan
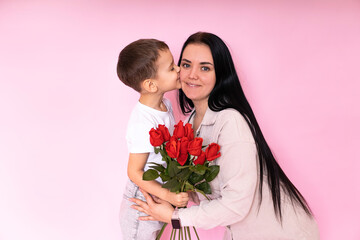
pixel 235 194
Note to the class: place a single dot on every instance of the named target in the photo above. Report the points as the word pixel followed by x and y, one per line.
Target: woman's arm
pixel 158 210
pixel 238 177
pixel 230 208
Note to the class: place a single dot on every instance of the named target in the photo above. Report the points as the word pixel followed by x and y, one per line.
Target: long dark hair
pixel 228 93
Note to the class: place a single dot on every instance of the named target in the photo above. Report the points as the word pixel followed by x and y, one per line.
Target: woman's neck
pixel 200 109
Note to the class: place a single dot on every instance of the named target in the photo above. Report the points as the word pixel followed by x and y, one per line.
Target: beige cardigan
pixel 235 194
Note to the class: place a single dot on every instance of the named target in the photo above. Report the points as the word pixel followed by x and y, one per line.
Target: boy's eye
pixel 172 69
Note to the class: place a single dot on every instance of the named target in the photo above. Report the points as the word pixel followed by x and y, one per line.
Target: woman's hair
pixel 228 93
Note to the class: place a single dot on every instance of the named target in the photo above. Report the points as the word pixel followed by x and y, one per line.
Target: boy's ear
pixel 149 85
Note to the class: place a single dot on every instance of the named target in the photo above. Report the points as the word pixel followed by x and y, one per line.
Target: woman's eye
pixel 185 65
pixel 205 68
pixel 172 69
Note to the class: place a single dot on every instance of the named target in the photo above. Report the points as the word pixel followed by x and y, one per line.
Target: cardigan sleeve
pixel 238 177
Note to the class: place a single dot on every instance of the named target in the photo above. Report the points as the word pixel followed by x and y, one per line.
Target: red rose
pixel 189 132
pixel 179 130
pixel 195 146
pixel 156 137
pixel 200 159
pixel 172 147
pixel 184 142
pixel 182 159
pixel 212 152
pixel 165 132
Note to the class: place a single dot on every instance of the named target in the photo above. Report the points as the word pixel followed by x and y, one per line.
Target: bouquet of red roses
pixel 187 163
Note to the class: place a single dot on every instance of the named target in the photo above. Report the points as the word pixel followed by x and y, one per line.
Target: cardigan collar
pixel 209 117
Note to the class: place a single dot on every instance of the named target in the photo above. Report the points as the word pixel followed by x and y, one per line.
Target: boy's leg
pixel 131 227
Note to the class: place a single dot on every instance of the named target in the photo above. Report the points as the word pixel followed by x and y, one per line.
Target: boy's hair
pixel 137 61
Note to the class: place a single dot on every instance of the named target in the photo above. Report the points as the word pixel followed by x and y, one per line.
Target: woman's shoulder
pixel 233 122
pixel 231 115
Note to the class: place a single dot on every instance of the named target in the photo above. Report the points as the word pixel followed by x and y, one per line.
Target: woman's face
pixel 197 72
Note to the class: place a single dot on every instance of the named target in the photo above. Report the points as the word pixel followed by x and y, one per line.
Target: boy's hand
pixel 178 199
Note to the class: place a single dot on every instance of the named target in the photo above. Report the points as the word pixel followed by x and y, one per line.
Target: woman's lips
pixel 192 85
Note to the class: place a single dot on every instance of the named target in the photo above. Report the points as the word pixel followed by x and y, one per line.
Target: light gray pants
pixel 132 228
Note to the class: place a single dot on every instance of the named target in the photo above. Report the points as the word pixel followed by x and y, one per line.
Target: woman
pixel 252 196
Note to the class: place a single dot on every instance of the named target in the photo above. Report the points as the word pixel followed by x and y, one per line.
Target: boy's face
pixel 167 75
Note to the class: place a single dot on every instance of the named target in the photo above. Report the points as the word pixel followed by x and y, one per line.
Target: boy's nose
pixel 177 68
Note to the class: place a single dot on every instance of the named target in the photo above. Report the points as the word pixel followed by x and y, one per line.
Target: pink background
pixel 63 111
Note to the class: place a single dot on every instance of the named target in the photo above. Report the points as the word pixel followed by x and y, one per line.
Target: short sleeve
pixel 138 138
pixel 168 104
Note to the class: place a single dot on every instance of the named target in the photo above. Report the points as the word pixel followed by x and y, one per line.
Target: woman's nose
pixel 193 74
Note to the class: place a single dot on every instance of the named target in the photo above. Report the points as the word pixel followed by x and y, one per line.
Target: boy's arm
pixel 135 172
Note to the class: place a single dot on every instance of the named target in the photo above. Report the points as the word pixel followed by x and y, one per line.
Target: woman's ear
pixel 149 85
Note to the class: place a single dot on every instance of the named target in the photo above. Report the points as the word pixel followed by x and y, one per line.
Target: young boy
pixel 148 67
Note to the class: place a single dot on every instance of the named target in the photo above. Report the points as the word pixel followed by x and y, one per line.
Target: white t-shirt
pixel 142 119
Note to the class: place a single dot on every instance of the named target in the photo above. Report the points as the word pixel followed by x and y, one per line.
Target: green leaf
pixel 162 152
pixel 156 150
pixel 154 163
pixel 195 178
pixel 188 187
pixel 158 167
pixel 212 172
pixel 173 185
pixel 176 188
pixel 150 174
pixel 182 167
pixel 184 174
pixel 199 169
pixel 173 168
pixel 205 187
pixel 164 177
pixel 199 191
pixel 164 156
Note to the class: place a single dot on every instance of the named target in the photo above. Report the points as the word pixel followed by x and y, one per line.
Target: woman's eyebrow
pixel 201 63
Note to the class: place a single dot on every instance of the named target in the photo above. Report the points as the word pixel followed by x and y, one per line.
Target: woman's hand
pixel 158 210
pixel 178 199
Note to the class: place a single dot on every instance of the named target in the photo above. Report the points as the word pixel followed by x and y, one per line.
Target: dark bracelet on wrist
pixel 175 219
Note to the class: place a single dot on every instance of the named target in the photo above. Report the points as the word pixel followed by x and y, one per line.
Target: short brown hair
pixel 137 61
